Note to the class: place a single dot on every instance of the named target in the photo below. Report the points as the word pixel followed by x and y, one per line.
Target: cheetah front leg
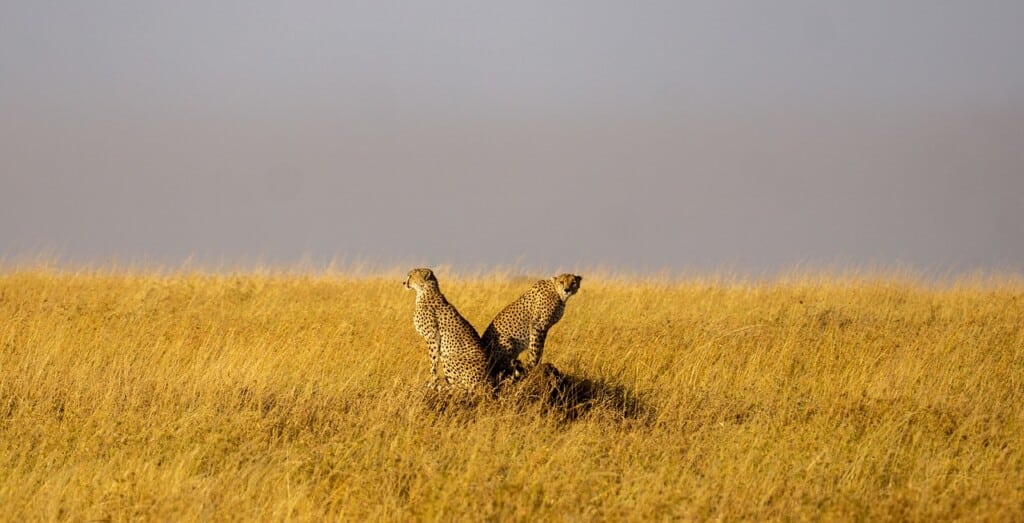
pixel 533 354
pixel 434 350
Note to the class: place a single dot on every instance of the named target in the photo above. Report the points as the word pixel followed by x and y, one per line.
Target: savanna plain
pixel 272 395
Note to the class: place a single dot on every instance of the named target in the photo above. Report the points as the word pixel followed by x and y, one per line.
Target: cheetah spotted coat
pixel 524 324
pixel 453 344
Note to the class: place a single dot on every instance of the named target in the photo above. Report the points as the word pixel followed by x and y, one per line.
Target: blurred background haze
pixel 549 135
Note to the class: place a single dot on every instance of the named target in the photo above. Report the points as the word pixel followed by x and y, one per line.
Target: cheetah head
pixel 421 279
pixel 566 285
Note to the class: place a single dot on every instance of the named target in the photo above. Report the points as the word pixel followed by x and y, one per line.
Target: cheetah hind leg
pixel 510 373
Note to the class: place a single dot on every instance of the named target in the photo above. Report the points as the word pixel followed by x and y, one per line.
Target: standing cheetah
pixel 524 323
pixel 450 338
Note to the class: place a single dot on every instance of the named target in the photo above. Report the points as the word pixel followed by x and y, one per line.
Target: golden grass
pixel 181 396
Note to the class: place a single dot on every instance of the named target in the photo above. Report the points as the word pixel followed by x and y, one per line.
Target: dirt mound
pixel 570 395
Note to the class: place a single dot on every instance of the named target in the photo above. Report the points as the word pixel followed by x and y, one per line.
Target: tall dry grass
pixel 179 396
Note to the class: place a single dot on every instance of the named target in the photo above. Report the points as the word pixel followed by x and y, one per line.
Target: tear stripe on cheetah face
pixel 421 280
pixel 567 285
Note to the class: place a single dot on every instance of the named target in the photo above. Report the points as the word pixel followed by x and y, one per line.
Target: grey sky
pixel 680 135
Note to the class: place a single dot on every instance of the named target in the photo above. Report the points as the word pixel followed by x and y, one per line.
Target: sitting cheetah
pixel 524 324
pixel 450 338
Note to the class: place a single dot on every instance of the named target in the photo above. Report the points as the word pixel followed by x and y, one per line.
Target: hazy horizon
pixel 694 137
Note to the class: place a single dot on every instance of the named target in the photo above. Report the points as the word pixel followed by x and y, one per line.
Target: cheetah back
pixel 463 358
pixel 509 333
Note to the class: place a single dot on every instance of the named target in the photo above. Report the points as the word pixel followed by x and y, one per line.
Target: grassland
pixel 180 396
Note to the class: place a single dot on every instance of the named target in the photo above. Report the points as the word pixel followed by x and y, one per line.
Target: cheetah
pixel 452 342
pixel 524 323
